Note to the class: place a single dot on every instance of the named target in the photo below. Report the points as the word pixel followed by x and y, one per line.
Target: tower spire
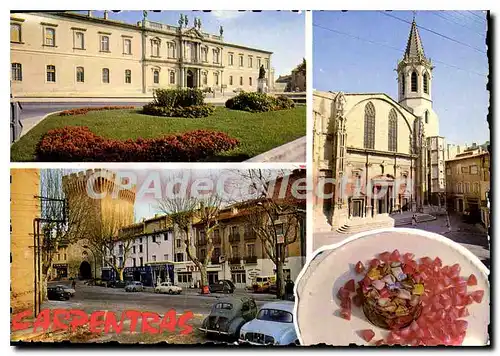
pixel 414 47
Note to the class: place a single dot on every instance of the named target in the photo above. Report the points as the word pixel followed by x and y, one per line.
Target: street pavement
pixel 91 298
pixel 116 300
pixel 471 236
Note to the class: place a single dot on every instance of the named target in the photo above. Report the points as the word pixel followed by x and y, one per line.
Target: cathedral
pixel 375 155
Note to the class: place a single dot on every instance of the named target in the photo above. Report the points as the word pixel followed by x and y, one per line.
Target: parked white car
pixel 134 287
pixel 67 289
pixel 167 287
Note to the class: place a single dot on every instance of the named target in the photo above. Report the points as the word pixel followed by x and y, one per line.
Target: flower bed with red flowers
pixel 79 144
pixel 81 111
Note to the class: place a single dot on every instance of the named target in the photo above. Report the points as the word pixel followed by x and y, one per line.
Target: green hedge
pixel 258 102
pixel 196 111
pixel 171 98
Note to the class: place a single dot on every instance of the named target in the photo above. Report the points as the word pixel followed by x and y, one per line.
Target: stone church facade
pixel 371 152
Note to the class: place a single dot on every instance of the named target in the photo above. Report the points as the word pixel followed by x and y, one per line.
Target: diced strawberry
pixel 463 313
pixel 385 256
pixel 446 304
pixel 346 303
pixel 367 335
pixel 408 269
pixel 345 314
pixel 375 262
pixel 384 293
pixel 359 267
pixel 477 295
pixel 472 281
pixel 408 256
pixel 437 262
pixel 350 285
pixel 395 256
pixel 426 261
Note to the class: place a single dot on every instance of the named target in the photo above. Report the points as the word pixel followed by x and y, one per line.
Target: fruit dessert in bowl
pixel 393 287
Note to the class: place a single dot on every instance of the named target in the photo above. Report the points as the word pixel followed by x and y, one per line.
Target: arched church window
pixel 393 131
pixel 414 85
pixel 369 141
pixel 403 84
pixel 426 117
pixel 426 83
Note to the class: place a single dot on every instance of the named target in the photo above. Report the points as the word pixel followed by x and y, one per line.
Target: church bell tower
pixel 415 82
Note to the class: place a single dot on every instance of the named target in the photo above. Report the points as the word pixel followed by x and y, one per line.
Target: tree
pixel 63 222
pixel 108 238
pixel 301 68
pixel 277 219
pixel 186 209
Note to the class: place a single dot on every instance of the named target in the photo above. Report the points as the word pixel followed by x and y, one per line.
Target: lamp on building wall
pixel 95 260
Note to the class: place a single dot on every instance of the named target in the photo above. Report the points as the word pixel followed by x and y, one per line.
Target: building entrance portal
pixel 85 270
pixel 190 79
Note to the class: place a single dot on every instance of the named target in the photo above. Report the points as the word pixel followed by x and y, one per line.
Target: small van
pixel 262 284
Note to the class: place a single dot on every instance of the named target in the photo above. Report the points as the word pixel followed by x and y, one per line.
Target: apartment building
pixel 468 182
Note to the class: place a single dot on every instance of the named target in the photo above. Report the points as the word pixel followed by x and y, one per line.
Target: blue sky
pixel 281 32
pixel 460 98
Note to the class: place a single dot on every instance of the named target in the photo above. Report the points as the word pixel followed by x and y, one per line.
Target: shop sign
pixel 60 265
pixel 237 268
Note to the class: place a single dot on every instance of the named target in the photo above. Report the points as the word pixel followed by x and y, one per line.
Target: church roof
pixel 414 47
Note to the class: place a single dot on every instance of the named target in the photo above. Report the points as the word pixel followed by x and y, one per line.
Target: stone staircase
pixel 405 218
pixel 298 98
pixel 355 225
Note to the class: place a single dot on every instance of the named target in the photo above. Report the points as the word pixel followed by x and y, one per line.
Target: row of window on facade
pixel 369 137
pixel 104 46
pixel 472 169
pixel 17 74
pixel 414 83
pixel 49 39
pixel 466 187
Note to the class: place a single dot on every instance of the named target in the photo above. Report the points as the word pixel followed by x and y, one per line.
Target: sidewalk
pixel 238 292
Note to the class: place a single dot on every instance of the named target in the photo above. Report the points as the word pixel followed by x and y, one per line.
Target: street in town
pixel 116 300
pixel 472 236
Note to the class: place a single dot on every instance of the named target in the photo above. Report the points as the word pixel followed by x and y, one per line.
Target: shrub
pixel 258 102
pixel 81 111
pixel 79 144
pixel 196 111
pixel 284 102
pixel 171 98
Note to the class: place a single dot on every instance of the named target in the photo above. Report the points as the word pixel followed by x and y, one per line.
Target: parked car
pixel 272 326
pixel 134 286
pixel 472 216
pixel 222 286
pixel 57 293
pixel 228 315
pixel 118 284
pixel 263 284
pixel 167 287
pixel 67 289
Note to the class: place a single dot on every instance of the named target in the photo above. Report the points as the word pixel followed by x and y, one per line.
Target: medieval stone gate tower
pixel 107 203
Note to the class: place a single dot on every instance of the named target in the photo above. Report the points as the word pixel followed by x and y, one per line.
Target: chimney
pixel 105 14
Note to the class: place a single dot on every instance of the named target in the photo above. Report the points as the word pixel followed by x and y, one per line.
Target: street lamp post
pixel 95 260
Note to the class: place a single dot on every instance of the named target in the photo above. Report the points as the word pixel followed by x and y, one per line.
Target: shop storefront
pixel 239 276
pixel 161 272
pixel 60 270
pixel 187 274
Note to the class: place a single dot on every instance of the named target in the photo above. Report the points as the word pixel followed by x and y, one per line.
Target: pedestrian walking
pixel 73 284
pixel 414 220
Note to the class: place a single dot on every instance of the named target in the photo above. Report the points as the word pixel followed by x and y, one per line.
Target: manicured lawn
pixel 257 132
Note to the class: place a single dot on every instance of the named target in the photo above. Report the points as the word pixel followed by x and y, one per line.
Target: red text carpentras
pixel 104 321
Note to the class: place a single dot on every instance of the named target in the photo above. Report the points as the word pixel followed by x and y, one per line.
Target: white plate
pixel 316 308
